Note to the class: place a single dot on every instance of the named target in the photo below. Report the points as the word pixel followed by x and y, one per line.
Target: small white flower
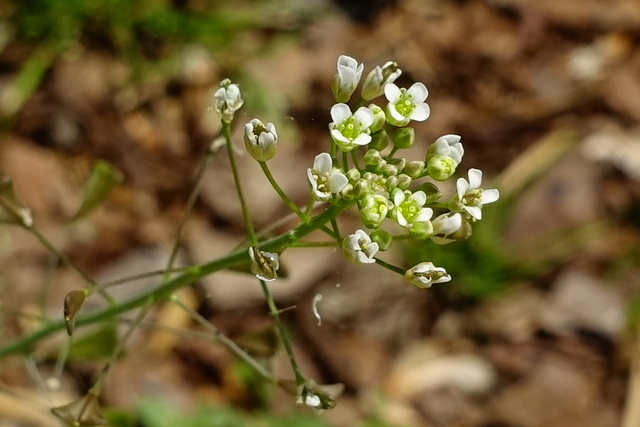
pixel 359 248
pixel 448 146
pixel 350 130
pixel 408 207
pixel 228 100
pixel 324 179
pixel 264 264
pixel 345 82
pixel 406 104
pixel 423 275
pixel 374 209
pixel 444 226
pixel 471 196
pixel 378 78
pixel 260 140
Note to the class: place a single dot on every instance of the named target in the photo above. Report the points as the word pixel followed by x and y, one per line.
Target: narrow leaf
pixel 102 180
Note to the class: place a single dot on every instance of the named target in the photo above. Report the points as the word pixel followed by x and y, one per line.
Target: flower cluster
pixel 362 167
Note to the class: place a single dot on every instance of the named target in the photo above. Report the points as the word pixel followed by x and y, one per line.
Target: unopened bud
pixel 404 137
pixel 382 238
pixel 379 140
pixel 441 168
pixel 379 118
pixel 414 168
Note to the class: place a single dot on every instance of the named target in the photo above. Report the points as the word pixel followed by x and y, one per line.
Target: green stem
pixel 234 258
pixel 390 267
pixel 287 201
pixel 345 161
pixel 355 160
pixel 314 245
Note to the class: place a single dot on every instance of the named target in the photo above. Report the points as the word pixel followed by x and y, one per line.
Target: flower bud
pixel 379 118
pixel 378 77
pixel 260 140
pixel 390 170
pixel 404 137
pixel 425 274
pixel 391 183
pixel 347 192
pixel 431 191
pixel 382 238
pixel 353 174
pixel 374 209
pixel 345 82
pixel 228 100
pixel 421 229
pixel 373 158
pixel 441 168
pixel 399 162
pixel 362 188
pixel 264 264
pixel 447 145
pixel 404 181
pixel 359 248
pixel 379 140
pixel 415 168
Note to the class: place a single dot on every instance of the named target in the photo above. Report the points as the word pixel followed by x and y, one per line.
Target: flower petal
pixel 337 181
pixel 475 178
pixel 489 196
pixel 340 113
pixel 462 186
pixel 474 211
pixel 364 116
pixel 322 163
pixel 419 197
pixel 418 92
pixel 392 93
pixel 420 113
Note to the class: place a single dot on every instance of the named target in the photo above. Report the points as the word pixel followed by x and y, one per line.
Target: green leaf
pixel 102 180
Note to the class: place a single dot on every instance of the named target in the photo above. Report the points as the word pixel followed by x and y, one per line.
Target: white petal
pixel 322 163
pixel 339 137
pixel 392 93
pixel 391 109
pixel 474 211
pixel 364 116
pixel 360 234
pixel 475 178
pixel 446 224
pixel 419 197
pixel 418 92
pixel 420 113
pixel 347 61
pixel 462 186
pixel 337 181
pixel 401 219
pixel 425 214
pixel 340 113
pixel 489 196
pixel 398 197
pixel 362 139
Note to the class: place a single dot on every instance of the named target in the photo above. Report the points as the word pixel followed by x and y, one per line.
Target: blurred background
pixel 538 326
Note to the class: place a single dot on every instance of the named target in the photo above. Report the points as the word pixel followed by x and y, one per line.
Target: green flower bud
pixel 374 209
pixel 379 140
pixel 404 181
pixel 390 170
pixel 415 168
pixel 431 191
pixel 392 183
pixel 362 188
pixel 373 158
pixel 347 192
pixel 403 137
pixel 379 118
pixel 353 175
pixel 399 162
pixel 441 168
pixel 421 229
pixel 382 238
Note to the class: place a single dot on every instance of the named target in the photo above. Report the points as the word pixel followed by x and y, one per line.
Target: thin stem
pixel 287 201
pixel 391 267
pixel 165 288
pixel 345 161
pixel 65 259
pixel 314 245
pixel 145 275
pixel 355 160
pixel 226 341
pixel 254 242
pixel 336 230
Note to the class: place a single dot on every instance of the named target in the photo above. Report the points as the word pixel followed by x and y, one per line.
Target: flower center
pixel 405 105
pixel 350 129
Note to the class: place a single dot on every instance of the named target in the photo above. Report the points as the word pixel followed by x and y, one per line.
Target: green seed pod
pixel 72 304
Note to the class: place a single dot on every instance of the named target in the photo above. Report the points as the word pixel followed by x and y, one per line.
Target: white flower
pixel 406 104
pixel 260 140
pixel 376 80
pixel 408 207
pixel 228 100
pixel 448 146
pixel 350 130
pixel 345 82
pixel 324 179
pixel 471 196
pixel 264 264
pixel 444 226
pixel 425 274
pixel 374 209
pixel 359 248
